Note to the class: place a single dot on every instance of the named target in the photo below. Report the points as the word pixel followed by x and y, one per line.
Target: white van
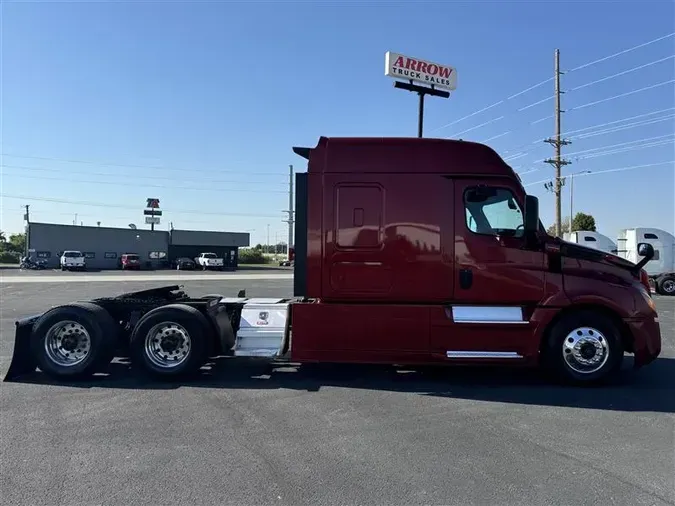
pixel 73 260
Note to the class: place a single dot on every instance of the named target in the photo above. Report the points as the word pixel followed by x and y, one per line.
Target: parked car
pixel 184 263
pixel 73 260
pixel 131 261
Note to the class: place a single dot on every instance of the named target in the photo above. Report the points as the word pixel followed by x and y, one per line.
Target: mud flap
pixel 23 362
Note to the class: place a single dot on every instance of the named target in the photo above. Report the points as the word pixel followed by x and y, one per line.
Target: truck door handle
pixel 465 279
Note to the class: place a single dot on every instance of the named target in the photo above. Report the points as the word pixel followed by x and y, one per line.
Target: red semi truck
pixel 407 251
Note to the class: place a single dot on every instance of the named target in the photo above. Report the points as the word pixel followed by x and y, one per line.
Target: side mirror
pixel 531 218
pixel 645 249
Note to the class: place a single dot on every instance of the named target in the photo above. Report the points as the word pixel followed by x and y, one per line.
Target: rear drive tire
pixel 583 348
pixel 171 341
pixel 74 340
pixel 665 285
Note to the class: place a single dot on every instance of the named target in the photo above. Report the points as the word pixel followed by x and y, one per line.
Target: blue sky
pixel 218 92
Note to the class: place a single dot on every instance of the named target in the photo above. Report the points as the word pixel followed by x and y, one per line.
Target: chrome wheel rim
pixel 67 343
pixel 167 345
pixel 585 350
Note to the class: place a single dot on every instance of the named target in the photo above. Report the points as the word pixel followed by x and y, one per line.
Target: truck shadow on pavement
pixel 649 389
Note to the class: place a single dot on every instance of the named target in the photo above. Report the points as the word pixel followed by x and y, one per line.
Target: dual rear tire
pixel 74 340
pixel 171 342
pixel 79 339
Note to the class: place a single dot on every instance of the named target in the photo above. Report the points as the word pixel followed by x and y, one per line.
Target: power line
pixel 475 128
pixel 504 116
pixel 133 166
pixel 598 126
pixel 121 206
pixel 621 144
pixel 97 216
pixel 620 120
pixel 621 95
pixel 608 150
pixel 530 88
pixel 536 103
pixel 620 53
pixel 551 78
pixel 134 177
pixel 621 73
pixel 619 128
pixel 626 149
pixel 608 170
pixel 126 184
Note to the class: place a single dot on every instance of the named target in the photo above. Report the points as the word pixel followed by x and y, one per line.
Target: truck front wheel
pixel 74 340
pixel 583 347
pixel 171 341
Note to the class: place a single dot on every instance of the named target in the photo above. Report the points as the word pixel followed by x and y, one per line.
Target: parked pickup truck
pixel 388 269
pixel 73 260
pixel 210 261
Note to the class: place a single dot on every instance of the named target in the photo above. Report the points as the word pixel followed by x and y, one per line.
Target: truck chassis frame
pixel 230 329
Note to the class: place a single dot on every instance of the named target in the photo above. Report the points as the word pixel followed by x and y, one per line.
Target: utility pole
pixel 267 249
pixel 27 218
pixel 290 220
pixel 558 162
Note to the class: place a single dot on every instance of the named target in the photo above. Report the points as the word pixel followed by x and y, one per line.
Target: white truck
pixel 592 240
pixel 661 268
pixel 210 261
pixel 73 260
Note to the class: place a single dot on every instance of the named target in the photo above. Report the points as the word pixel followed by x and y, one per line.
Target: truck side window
pixel 493 211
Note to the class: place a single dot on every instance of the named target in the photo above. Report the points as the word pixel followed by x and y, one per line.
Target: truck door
pixel 497 280
pixel 492 265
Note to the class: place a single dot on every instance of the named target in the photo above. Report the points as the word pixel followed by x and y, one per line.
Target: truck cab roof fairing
pixel 303 152
pixel 398 154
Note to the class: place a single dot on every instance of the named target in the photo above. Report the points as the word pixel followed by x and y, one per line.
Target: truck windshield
pixel 210 255
pixel 72 254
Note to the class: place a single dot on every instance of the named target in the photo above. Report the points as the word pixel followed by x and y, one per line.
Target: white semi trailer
pixel 661 268
pixel 591 240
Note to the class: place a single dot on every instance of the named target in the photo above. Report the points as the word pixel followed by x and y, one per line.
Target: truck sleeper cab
pixel 407 251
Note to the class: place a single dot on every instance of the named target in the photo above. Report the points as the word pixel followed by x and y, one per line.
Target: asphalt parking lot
pixel 252 434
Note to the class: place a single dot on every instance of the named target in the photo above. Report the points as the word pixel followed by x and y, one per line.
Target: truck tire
pixel 583 348
pixel 74 340
pixel 665 285
pixel 171 341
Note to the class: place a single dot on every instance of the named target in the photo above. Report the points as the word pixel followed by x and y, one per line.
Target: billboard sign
pixel 407 68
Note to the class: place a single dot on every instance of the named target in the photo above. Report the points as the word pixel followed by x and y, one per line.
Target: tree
pixel 582 221
pixel 17 243
pixel 564 227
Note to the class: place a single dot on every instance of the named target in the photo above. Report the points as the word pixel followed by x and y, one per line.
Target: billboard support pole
pixel 421 91
pixel 420 116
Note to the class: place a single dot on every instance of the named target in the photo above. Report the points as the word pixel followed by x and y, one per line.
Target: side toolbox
pixel 262 329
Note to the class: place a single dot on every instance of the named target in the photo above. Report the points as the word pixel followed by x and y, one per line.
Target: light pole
pixel 571 176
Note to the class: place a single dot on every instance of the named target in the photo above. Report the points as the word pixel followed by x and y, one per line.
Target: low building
pixel 104 246
pixel 190 243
